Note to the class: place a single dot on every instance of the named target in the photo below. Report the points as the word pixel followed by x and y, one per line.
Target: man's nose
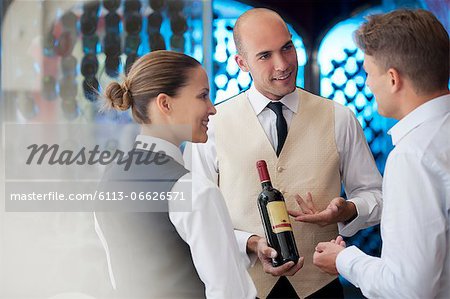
pixel 281 63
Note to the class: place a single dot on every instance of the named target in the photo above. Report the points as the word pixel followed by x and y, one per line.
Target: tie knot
pixel 276 107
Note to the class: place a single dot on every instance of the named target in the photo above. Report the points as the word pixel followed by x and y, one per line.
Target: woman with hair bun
pixel 188 254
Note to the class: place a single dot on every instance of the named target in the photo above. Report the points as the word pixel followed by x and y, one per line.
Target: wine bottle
pixel 275 219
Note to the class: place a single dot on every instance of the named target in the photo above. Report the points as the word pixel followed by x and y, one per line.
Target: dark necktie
pixel 277 107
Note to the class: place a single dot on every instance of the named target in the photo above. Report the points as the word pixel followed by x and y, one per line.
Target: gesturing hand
pixel 265 255
pixel 338 210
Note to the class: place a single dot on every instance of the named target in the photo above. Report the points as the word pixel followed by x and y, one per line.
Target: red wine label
pixel 279 218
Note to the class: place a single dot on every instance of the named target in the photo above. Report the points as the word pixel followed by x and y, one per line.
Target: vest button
pixel 280 169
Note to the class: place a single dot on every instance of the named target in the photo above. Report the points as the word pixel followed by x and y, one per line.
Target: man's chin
pixel 284 90
pixel 286 83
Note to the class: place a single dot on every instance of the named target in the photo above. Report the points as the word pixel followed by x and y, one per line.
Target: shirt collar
pixel 259 101
pixel 160 145
pixel 424 112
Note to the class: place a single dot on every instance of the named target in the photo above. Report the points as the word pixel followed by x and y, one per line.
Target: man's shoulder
pixel 428 141
pixel 229 107
pixel 303 92
pixel 230 101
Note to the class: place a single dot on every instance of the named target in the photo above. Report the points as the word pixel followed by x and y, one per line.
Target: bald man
pixel 311 146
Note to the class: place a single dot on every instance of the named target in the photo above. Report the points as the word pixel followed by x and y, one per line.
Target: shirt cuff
pixel 242 238
pixel 345 261
pixel 362 212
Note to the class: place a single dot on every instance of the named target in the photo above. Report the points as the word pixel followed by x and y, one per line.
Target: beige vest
pixel 309 161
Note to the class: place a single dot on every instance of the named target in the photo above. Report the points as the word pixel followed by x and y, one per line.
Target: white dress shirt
pixel 359 174
pixel 415 259
pixel 208 231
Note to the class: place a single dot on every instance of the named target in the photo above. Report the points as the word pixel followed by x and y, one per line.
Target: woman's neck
pixel 162 132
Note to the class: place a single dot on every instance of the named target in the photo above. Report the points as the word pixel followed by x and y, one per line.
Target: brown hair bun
pixel 118 97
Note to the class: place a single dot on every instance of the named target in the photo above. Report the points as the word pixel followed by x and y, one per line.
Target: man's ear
pixel 396 79
pixel 163 103
pixel 241 62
